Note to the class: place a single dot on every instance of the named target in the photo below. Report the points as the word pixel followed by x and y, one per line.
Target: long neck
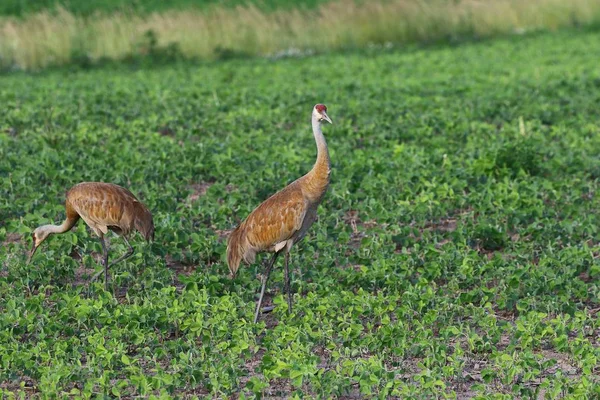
pixel 316 181
pixel 322 165
pixel 62 228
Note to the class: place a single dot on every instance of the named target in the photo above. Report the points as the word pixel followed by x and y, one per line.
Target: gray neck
pixel 65 226
pixel 322 151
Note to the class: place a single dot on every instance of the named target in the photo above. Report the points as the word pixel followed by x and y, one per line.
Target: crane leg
pixel 265 278
pixel 287 282
pixel 104 264
pixel 124 256
pixel 105 260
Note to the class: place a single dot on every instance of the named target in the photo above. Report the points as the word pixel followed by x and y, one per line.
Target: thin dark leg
pixel 287 282
pixel 105 260
pixel 104 263
pixel 124 256
pixel 264 284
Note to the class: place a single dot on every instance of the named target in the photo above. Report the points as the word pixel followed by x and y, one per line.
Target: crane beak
pixel 326 117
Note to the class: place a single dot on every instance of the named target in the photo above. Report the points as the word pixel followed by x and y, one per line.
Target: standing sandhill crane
pixel 102 206
pixel 284 218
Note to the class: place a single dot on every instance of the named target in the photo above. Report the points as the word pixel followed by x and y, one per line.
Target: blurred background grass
pixel 35 35
pixel 90 7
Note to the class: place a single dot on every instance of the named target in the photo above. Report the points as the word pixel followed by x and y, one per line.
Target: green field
pixel 455 255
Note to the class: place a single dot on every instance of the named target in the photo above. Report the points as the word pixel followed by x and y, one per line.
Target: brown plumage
pixel 284 218
pixel 103 207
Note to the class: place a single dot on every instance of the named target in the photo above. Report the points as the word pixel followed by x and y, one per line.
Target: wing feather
pixel 102 205
pixel 276 219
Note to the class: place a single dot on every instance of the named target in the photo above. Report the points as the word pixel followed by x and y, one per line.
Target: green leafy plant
pixel 455 254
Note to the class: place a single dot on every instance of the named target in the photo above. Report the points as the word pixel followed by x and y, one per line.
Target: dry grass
pixel 57 38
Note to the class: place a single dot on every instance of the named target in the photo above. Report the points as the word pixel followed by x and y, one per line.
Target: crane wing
pixel 276 220
pixel 102 205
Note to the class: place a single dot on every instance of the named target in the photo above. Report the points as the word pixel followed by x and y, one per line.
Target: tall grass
pixel 59 37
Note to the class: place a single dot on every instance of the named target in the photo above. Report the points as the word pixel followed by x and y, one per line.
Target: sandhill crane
pixel 102 206
pixel 284 218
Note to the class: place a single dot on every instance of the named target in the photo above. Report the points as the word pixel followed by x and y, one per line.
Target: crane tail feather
pixel 235 250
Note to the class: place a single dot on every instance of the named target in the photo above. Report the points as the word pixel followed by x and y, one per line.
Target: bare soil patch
pixel 12 238
pixel 198 190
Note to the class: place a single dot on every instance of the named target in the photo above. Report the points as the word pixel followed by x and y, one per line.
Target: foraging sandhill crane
pixel 284 218
pixel 103 207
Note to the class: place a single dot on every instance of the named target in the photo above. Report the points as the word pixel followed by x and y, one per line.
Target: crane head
pixel 38 236
pixel 320 113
